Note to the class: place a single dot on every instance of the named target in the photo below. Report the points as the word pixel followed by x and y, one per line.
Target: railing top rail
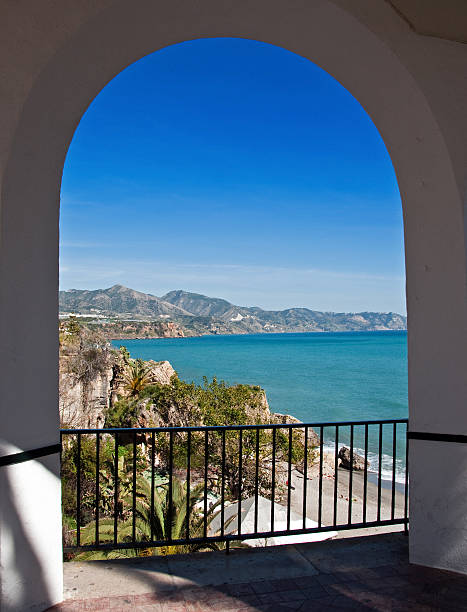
pixel 114 430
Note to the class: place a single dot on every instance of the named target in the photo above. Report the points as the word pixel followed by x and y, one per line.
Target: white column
pixel 30 506
pixel 30 535
pixel 438 504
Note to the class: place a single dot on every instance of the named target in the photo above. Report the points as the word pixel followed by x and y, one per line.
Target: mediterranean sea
pixel 316 377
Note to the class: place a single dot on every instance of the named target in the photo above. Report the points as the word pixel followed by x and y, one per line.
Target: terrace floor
pixel 366 573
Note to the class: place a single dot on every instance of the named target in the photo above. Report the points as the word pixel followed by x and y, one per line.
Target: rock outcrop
pixel 313 438
pixel 84 400
pixel 357 460
pixel 82 404
pixel 127 330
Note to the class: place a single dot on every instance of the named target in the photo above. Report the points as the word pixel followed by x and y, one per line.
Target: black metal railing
pixel 198 486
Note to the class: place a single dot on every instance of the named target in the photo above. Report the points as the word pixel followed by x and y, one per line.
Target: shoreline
pixel 263 333
pixel 342 507
pixel 343 518
pixel 385 482
pixel 386 479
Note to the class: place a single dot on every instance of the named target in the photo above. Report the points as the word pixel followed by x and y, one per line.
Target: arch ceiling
pixel 446 19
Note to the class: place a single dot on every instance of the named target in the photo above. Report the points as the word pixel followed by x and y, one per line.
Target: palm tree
pixel 136 377
pixel 168 521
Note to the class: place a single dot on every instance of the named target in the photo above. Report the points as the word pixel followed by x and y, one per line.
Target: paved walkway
pixel 365 573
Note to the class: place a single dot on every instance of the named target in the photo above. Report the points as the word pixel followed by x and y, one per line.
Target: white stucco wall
pixel 438 535
pixel 55 57
pixel 31 547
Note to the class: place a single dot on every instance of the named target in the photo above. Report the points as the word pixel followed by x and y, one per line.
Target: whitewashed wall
pixel 55 57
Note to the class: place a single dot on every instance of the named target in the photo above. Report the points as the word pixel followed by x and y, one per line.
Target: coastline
pixel 327 515
pixel 291 415
pixel 385 482
pixel 263 333
pixel 252 358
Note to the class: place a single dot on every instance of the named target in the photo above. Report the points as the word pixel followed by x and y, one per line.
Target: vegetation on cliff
pixel 140 394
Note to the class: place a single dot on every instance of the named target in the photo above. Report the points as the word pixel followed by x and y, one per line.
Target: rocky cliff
pixel 91 379
pixel 120 330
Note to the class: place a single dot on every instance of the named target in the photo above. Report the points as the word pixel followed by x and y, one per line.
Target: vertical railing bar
pixel 241 445
pixel 205 505
pixel 116 489
pixel 256 479
pixel 98 467
pixel 406 486
pixel 394 453
pixel 320 486
pixel 170 513
pixel 305 479
pixel 365 474
pixel 273 476
pixel 78 494
pixel 153 457
pixel 223 483
pixel 188 491
pixel 336 475
pixel 61 475
pixel 133 534
pixel 380 455
pixel 289 478
pixel 349 519
pixel 240 478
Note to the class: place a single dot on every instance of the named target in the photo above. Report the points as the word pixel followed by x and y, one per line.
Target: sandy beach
pixel 328 492
pixel 391 503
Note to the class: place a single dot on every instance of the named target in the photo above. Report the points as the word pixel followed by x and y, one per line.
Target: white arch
pixel 380 62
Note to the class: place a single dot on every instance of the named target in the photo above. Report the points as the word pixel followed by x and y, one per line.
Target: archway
pixel 82 55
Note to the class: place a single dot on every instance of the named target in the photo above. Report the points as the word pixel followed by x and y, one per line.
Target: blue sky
pixel 235 169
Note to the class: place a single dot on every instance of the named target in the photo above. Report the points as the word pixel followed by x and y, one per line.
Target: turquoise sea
pixel 316 377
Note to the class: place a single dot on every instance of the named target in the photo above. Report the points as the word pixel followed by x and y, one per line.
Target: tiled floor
pixel 370 573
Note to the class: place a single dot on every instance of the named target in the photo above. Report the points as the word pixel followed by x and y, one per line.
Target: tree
pixel 183 404
pixel 168 520
pixel 136 376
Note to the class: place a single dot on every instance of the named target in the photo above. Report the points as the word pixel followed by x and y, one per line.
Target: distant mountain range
pixel 118 300
pixel 197 314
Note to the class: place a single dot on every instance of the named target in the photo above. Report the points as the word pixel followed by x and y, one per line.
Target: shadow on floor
pixel 367 573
